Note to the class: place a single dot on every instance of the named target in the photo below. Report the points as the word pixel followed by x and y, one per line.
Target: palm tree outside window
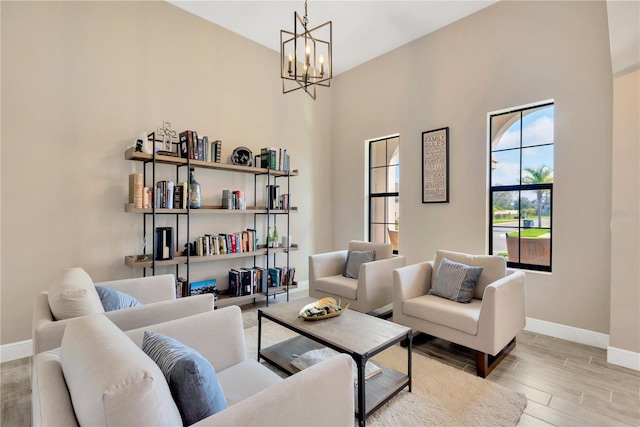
pixel 521 185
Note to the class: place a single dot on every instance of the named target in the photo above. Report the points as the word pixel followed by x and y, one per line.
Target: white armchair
pixel 155 293
pixel 488 324
pixel 372 288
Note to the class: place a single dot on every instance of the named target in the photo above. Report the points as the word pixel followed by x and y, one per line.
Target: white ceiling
pixel 362 30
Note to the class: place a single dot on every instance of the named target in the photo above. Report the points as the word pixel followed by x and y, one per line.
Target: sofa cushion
pixel 441 311
pixel 110 379
pixel 354 259
pixel 245 379
pixel 494 267
pixel 338 285
pixel 455 281
pixel 192 380
pixel 72 294
pixel 115 300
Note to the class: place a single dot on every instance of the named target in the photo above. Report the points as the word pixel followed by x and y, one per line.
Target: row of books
pixel 233 199
pixel 168 195
pixel 197 147
pixel 221 244
pixel 249 281
pixel 275 159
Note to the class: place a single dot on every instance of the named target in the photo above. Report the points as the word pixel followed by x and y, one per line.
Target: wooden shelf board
pixel 130 260
pixel 131 154
pixel 226 300
pixel 211 209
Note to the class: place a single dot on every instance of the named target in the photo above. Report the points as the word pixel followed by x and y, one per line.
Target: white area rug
pixel 441 395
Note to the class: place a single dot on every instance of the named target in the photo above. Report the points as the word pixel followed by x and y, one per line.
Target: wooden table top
pixel 352 331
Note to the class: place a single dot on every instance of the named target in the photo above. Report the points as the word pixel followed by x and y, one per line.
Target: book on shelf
pixel 215 151
pixel 247 281
pixel 261 278
pixel 177 197
pixel 204 287
pixel 235 284
pixel 253 239
pixel 169 194
pixel 136 190
pixel 147 198
pixel 160 194
pixel 188 141
pixel 203 149
pixel 222 242
pixel 184 194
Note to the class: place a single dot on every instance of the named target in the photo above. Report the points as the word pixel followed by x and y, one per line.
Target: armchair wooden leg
pixel 486 362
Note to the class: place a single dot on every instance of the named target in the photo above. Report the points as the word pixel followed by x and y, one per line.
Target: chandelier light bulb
pixel 321 60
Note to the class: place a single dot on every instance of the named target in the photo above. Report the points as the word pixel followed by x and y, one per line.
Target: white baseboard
pixel 569 333
pixel 15 350
pixel 624 358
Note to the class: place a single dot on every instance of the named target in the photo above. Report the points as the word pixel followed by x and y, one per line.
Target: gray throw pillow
pixel 354 259
pixel 455 281
pixel 115 300
pixel 191 378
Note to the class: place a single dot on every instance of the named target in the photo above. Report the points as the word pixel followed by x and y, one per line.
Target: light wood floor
pixel 566 384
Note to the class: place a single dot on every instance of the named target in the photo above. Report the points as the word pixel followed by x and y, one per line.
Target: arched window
pixel 521 185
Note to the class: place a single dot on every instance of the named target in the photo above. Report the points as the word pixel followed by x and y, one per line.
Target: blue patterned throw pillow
pixel 455 281
pixel 191 378
pixel 115 300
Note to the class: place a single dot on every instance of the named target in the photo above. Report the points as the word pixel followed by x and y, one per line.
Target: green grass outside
pixel 503 220
pixel 500 221
pixel 530 232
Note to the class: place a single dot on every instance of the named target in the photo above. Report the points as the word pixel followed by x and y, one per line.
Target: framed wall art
pixel 435 166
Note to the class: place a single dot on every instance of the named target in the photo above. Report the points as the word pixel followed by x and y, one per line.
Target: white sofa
pixel 373 287
pixel 156 294
pixel 488 324
pixel 101 376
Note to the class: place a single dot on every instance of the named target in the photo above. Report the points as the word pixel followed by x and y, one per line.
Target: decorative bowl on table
pixel 323 309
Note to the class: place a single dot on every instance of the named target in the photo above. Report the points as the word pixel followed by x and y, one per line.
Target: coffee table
pixel 359 335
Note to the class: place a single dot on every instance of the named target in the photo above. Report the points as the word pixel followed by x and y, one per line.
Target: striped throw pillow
pixel 455 281
pixel 192 380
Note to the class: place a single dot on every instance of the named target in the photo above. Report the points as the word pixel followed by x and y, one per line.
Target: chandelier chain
pixel 305 20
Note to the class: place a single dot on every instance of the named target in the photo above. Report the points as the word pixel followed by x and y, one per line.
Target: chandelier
pixel 305 56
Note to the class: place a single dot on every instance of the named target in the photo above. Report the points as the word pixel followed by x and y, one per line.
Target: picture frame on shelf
pixel 435 166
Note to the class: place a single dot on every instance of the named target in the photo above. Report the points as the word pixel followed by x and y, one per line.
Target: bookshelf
pixel 263 215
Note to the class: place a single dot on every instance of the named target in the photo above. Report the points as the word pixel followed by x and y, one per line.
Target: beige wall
pixel 80 80
pixel 625 214
pixel 510 54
